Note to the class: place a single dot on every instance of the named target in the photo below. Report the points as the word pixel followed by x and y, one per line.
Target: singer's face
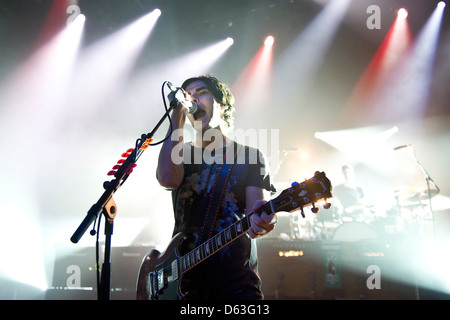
pixel 201 95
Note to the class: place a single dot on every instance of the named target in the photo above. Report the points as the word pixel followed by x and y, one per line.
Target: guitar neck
pixel 219 241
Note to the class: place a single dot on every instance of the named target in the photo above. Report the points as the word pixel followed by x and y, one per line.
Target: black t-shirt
pixel 231 272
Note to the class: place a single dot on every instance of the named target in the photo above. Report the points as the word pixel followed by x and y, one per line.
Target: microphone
pixel 403 146
pixel 180 95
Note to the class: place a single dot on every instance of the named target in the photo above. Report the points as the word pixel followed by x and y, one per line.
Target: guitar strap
pixel 216 197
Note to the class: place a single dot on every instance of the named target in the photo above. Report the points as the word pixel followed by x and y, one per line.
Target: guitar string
pixel 267 207
pixel 200 250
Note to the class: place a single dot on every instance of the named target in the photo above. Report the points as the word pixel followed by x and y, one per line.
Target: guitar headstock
pixel 305 193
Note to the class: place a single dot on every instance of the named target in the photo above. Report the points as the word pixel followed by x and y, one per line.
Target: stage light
pixel 269 41
pixel 441 5
pixel 35 93
pixel 55 22
pixel 297 66
pixel 156 12
pixel 402 13
pixel 42 82
pixel 387 58
pixel 198 61
pixel 109 61
pixel 366 144
pixel 252 88
pixel 138 32
pixel 407 88
pixel 176 70
pixel 80 19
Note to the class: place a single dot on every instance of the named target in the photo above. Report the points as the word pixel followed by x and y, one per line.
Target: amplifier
pixel 75 275
pixel 303 269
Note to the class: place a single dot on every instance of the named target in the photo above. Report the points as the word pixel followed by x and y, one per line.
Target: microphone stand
pixel 104 290
pixel 106 205
pixel 428 181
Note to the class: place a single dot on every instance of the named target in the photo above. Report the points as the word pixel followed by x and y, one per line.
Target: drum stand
pixel 430 193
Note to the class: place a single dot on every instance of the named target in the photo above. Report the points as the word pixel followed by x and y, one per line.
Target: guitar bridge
pixel 154 284
pixel 157 281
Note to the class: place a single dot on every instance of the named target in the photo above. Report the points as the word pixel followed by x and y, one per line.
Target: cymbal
pixel 414 193
pixel 411 206
pixel 402 191
pixel 423 195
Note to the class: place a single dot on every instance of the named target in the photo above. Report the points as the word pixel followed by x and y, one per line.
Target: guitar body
pixel 152 284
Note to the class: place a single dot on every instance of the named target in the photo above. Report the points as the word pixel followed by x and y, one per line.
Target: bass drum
pixel 354 231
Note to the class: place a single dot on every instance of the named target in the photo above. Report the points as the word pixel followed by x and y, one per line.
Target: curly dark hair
pixel 221 92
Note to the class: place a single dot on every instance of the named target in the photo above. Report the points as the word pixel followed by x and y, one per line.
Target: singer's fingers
pixel 180 112
pixel 178 117
pixel 170 96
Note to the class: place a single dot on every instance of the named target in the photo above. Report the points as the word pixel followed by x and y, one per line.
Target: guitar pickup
pixel 174 267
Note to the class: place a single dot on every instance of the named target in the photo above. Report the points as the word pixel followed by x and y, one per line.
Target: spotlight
pixel 156 12
pixel 78 21
pixel 81 18
pixel 229 41
pixel 441 5
pixel 269 41
pixel 402 13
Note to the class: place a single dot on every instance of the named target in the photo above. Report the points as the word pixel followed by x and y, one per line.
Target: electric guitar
pixel 160 274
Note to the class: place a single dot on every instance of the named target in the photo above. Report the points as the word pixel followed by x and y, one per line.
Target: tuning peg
pixel 301 211
pixel 326 205
pixel 314 209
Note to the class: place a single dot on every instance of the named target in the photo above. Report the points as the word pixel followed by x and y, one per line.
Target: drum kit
pixel 405 213
pixel 399 213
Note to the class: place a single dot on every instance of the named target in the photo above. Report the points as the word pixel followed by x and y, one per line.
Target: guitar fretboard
pixel 215 243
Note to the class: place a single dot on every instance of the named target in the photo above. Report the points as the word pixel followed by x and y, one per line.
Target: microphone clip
pixel 179 95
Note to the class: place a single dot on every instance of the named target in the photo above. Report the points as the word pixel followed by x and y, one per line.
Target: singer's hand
pixel 179 112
